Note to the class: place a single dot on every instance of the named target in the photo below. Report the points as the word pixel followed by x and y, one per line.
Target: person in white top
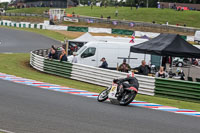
pixel 74 60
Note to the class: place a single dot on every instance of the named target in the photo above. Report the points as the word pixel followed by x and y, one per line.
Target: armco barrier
pixel 177 89
pixel 85 73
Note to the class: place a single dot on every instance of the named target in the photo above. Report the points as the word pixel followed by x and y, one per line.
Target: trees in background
pixel 4 5
pixel 151 3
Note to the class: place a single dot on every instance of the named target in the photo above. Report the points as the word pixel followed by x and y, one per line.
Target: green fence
pixel 56 67
pixel 122 32
pixel 177 89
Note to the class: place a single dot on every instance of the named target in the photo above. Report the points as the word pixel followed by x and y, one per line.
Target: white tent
pixel 87 37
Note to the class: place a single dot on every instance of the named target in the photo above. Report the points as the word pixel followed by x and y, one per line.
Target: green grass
pixel 33 10
pixel 190 18
pixel 24 19
pixel 48 33
pixel 18 64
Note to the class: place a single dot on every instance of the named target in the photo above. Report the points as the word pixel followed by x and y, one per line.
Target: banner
pixel 99 30
pixel 122 32
pixel 55 27
pixel 78 29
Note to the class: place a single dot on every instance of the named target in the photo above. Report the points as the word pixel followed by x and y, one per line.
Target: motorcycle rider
pixel 132 84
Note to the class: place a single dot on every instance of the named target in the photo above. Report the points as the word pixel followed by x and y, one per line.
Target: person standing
pixel 116 13
pixel 74 59
pixel 104 63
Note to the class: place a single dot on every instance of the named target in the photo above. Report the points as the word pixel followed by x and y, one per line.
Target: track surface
pixel 26 109
pixel 17 41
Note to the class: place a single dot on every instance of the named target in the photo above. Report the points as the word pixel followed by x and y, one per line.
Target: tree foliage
pixel 151 3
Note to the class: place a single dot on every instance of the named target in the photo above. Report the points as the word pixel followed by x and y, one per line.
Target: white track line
pixel 5 131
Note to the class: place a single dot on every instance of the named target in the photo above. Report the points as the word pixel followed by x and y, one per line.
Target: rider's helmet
pixel 130 74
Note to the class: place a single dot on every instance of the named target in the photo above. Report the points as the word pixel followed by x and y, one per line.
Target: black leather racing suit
pixel 132 82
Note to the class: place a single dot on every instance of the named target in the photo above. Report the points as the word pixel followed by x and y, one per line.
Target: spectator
pixel 161 73
pixel 180 73
pixel 143 69
pixel 167 23
pixel 104 63
pixel 74 59
pixel 73 14
pixel 124 67
pixel 137 6
pixel 116 13
pixel 53 53
pixel 63 56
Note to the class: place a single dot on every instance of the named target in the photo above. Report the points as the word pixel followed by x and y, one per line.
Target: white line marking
pixel 5 131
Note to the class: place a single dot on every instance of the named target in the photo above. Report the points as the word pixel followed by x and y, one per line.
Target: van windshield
pixel 81 50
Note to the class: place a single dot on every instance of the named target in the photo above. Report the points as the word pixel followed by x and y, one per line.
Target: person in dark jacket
pixel 143 69
pixel 124 67
pixel 53 53
pixel 104 63
pixel 63 56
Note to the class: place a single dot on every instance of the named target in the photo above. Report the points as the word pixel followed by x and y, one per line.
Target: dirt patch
pixel 73 34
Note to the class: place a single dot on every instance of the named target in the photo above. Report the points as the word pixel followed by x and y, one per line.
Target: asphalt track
pixel 17 41
pixel 27 109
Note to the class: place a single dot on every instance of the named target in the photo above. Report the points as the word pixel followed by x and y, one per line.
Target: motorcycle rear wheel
pixel 103 96
pixel 130 97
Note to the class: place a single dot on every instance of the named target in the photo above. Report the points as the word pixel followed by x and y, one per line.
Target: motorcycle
pixel 111 93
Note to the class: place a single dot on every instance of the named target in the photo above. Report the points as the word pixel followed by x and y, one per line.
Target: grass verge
pixel 18 64
pixel 33 10
pixel 24 19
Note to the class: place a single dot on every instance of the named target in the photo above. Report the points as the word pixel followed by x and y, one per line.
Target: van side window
pixel 88 52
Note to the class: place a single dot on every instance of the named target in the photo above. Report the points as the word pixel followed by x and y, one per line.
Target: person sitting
pixel 63 56
pixel 104 63
pixel 180 73
pixel 124 67
pixel 161 73
pixel 143 69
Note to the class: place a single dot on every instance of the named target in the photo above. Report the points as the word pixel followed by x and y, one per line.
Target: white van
pixel 114 52
pixel 197 37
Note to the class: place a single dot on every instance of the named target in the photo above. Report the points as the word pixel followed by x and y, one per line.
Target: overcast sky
pixel 5 1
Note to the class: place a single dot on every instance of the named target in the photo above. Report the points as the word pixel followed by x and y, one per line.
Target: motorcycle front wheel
pixel 103 95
